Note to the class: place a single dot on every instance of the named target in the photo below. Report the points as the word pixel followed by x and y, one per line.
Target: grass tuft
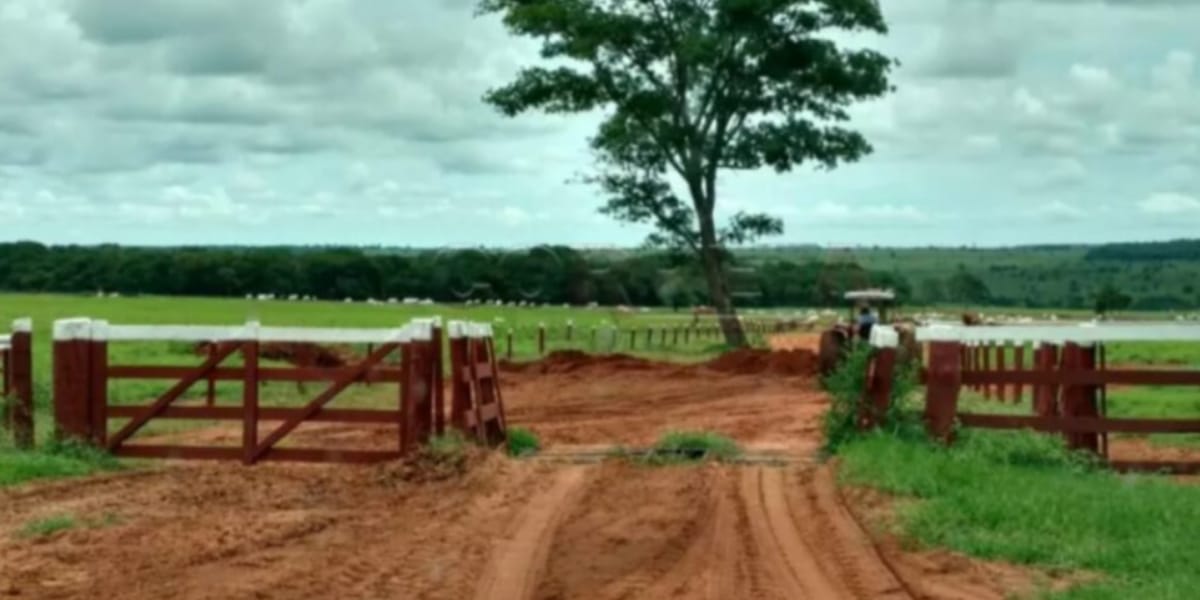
pixel 694 446
pixel 48 526
pixel 522 442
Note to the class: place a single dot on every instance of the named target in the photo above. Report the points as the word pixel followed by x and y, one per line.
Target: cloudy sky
pixel 360 122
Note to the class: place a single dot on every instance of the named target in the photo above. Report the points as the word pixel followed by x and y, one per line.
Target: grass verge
pixel 1022 498
pixel 55 460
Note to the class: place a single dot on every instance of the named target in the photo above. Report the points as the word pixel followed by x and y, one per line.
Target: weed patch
pixel 522 442
pixel 47 526
pixel 846 386
pixel 693 446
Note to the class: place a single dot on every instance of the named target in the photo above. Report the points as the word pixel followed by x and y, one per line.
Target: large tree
pixel 692 87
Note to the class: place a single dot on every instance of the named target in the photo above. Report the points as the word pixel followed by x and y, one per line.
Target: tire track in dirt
pixel 517 563
pixel 847 548
pixel 794 566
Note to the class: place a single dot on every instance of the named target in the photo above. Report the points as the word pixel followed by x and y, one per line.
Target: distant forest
pixel 1154 276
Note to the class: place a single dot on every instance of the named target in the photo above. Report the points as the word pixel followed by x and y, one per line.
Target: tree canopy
pixel 692 87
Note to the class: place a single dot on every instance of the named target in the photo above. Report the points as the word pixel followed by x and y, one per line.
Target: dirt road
pixel 506 529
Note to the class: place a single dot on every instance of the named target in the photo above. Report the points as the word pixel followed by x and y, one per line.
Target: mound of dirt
pixel 567 361
pixel 757 362
pixel 794 362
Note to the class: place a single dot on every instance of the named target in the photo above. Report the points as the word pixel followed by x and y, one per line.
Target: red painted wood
pixel 238 413
pixel 250 409
pixel 210 390
pixel 98 392
pixel 1077 376
pixel 1018 365
pixel 172 394
pixel 878 390
pixel 377 374
pixel 941 392
pixel 1001 388
pixel 986 351
pixel 272 454
pixel 437 371
pixel 324 397
pixel 71 403
pixel 1079 425
pixel 460 390
pixel 19 373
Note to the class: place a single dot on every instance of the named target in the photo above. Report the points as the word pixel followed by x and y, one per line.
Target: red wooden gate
pixel 82 374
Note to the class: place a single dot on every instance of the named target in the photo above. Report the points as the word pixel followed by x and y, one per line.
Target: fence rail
pixel 1068 380
pixel 82 375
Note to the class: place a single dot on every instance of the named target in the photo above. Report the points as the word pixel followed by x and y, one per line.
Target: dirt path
pixel 517 562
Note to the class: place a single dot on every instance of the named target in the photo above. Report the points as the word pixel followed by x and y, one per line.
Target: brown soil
pixel 570 398
pixel 489 527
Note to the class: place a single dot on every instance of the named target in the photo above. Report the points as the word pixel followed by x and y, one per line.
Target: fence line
pixel 1068 378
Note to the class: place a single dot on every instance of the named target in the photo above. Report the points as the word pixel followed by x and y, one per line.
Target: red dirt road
pixel 506 529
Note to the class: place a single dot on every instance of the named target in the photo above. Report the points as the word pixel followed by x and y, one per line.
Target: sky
pixel 361 122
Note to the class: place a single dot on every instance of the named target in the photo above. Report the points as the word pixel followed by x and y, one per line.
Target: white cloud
pixel 344 121
pixel 1092 78
pixel 1175 73
pixel 845 212
pixel 1059 211
pixel 1170 204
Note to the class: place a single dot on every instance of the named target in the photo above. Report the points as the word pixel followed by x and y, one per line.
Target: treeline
pixel 547 274
pixel 1146 251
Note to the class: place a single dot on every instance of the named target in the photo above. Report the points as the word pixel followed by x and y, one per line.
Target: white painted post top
pixel 5 342
pixel 22 325
pixel 1080 333
pixel 467 329
pixel 85 329
pixel 79 328
pixel 884 336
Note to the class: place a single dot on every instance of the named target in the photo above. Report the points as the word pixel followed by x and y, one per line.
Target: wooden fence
pixel 16 385
pixel 83 373
pixel 1067 376
pixel 647 338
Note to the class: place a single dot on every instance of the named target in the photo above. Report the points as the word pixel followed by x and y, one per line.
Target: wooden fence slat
pixel 324 397
pixel 170 395
pixel 941 392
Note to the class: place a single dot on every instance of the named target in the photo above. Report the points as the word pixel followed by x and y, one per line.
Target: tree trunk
pixel 718 285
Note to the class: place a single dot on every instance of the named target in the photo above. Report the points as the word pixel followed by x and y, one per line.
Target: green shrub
pixel 846 388
pixel 522 442
pixel 695 446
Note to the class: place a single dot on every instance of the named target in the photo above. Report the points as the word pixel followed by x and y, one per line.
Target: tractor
pixel 842 336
